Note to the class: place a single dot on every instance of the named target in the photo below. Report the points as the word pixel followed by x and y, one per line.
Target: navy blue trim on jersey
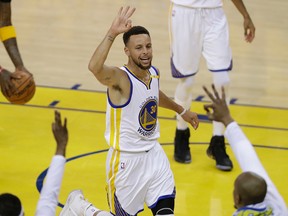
pixel 157 72
pixel 227 69
pixel 150 79
pixel 176 73
pixel 128 101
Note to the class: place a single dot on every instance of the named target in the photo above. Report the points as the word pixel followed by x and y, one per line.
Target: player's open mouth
pixel 145 60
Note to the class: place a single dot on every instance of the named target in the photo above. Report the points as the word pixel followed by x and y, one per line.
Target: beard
pixel 140 65
pixel 144 67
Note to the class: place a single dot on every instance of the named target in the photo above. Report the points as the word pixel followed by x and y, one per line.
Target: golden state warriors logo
pixel 148 117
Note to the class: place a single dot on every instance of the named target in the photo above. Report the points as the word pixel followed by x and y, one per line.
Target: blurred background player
pixel 10 205
pixel 8 37
pixel 199 27
pixel 254 192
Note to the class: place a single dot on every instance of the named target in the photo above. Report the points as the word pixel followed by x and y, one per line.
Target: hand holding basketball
pixel 20 88
pixel 5 80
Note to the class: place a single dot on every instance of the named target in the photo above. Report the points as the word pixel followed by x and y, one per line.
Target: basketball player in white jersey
pixel 137 168
pixel 199 27
pixel 254 192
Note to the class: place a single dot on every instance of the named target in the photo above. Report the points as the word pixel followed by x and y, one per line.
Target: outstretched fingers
pixel 129 12
pixel 122 21
pixel 215 92
pixel 223 93
pixel 65 123
pixel 210 95
pixel 60 131
pixel 126 12
pixel 58 118
pixel 58 122
pixel 216 96
pixel 120 11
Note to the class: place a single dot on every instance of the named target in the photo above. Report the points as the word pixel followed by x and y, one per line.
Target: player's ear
pixel 236 196
pixel 237 201
pixel 126 50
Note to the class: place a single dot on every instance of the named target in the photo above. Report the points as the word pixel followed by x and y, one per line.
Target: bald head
pixel 249 188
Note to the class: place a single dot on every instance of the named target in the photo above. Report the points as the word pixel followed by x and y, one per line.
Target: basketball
pixel 25 89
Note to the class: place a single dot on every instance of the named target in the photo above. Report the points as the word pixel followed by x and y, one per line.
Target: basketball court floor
pixel 57 39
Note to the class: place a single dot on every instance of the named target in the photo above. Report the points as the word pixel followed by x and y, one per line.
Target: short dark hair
pixel 135 30
pixel 251 187
pixel 10 205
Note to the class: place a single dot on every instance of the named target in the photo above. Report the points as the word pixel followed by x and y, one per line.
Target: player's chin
pixel 146 66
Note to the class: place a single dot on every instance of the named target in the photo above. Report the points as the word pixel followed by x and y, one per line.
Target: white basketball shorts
pixel 196 32
pixel 137 178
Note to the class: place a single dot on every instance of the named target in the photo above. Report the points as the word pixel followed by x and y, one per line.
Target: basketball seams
pixel 25 90
pixel 24 82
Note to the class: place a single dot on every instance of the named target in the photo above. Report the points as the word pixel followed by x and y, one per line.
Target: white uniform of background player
pixel 249 162
pixel 137 167
pixel 199 27
pixel 254 192
pixel 48 200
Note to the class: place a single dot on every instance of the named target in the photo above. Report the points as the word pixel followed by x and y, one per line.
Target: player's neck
pixel 137 71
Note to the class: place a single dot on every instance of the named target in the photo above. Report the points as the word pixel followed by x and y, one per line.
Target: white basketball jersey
pixel 133 127
pixel 199 3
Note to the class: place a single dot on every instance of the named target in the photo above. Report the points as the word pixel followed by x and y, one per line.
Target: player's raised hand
pixel 60 133
pixel 122 21
pixel 218 110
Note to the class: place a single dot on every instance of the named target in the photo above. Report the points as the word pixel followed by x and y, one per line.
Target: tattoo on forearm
pixel 110 38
